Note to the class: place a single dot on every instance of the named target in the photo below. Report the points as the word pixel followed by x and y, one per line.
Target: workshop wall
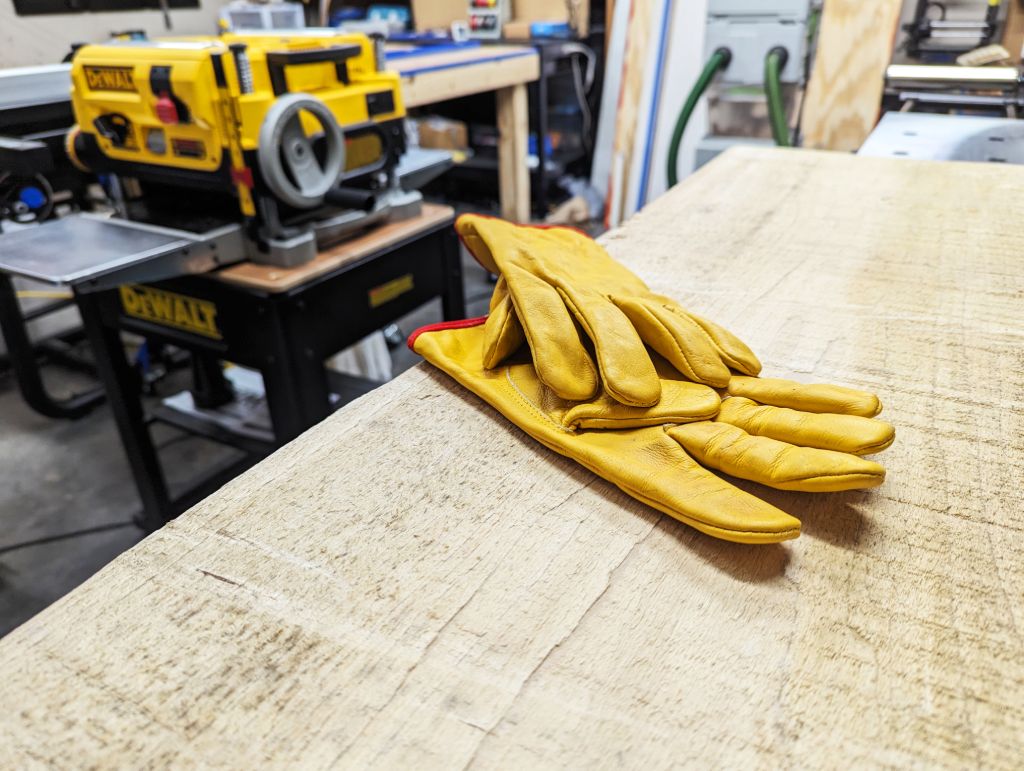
pixel 31 40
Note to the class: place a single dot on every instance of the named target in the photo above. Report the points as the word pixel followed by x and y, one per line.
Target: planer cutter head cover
pixel 191 111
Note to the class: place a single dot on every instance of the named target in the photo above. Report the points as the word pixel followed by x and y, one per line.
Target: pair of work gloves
pixel 672 395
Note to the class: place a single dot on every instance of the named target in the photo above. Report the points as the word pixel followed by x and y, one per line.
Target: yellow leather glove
pixel 556 278
pixel 796 437
pixel 645 451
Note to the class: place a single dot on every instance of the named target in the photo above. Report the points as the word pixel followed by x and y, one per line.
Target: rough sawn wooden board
pixel 415 584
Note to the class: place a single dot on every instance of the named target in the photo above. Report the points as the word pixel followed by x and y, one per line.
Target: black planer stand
pixel 170 286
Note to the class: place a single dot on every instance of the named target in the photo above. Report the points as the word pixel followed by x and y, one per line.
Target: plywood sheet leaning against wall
pixel 1013 32
pixel 627 103
pixel 844 95
pixel 631 96
pixel 683 62
pixel 601 169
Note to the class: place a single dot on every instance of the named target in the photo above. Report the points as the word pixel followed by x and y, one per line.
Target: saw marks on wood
pixel 844 95
pixel 414 583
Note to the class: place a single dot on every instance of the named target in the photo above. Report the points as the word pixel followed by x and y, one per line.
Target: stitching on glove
pixel 823 477
pixel 526 400
pixel 529 339
pixel 699 524
pixel 655 321
pixel 489 360
pixel 714 343
pixel 598 349
pixel 692 373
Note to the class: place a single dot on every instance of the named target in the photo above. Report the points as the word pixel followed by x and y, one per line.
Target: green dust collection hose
pixel 773 66
pixel 719 61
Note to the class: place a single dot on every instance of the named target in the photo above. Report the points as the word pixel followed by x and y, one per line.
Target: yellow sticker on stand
pixel 385 293
pixel 170 310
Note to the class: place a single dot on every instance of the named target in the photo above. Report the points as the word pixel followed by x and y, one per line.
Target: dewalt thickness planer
pixel 295 135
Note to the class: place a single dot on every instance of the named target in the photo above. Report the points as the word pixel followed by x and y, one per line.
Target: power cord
pixel 64 536
pixel 98 528
pixel 582 84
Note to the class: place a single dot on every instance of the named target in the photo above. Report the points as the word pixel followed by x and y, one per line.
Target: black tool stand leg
pixel 210 388
pixel 453 301
pixel 298 394
pixel 26 368
pixel 122 385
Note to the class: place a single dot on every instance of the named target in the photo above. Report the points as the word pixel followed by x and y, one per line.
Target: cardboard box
pixel 438 14
pixel 443 133
pixel 517 30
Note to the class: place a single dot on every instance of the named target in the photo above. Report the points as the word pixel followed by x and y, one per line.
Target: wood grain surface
pixel 1013 32
pixel 274 280
pixel 436 77
pixel 513 114
pixel 414 583
pixel 844 95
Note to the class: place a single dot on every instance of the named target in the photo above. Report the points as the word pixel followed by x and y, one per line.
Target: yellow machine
pixel 297 132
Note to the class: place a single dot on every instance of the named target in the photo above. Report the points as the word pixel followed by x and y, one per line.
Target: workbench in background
pixel 432 75
pixel 416 583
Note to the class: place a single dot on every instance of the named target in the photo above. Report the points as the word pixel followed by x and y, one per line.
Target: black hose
pixel 351 198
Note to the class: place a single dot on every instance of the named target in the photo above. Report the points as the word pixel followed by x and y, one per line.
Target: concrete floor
pixel 59 477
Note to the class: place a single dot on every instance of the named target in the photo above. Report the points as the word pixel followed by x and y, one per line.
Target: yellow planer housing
pixel 283 117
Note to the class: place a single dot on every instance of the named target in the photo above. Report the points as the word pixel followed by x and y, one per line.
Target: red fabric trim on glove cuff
pixel 459 324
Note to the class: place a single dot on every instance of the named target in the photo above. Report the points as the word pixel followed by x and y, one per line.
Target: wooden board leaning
pixel 844 95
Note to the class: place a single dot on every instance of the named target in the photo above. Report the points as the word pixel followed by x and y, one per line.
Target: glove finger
pixel 774 463
pixel 681 402
pixel 562 362
pixel 626 367
pixel 678 338
pixel 466 226
pixel 650 466
pixel 818 397
pixel 503 334
pixel 842 433
pixel 734 351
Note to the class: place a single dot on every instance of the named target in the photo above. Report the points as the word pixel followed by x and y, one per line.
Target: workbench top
pixel 273 279
pixel 415 583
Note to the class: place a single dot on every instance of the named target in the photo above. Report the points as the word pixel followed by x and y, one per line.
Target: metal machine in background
pixel 244 15
pixel 290 140
pixel 212 150
pixel 928 136
pixel 263 146
pixel 996 91
pixel 934 109
pixel 948 112
pixel 35 174
pixel 955 65
pixel 930 38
